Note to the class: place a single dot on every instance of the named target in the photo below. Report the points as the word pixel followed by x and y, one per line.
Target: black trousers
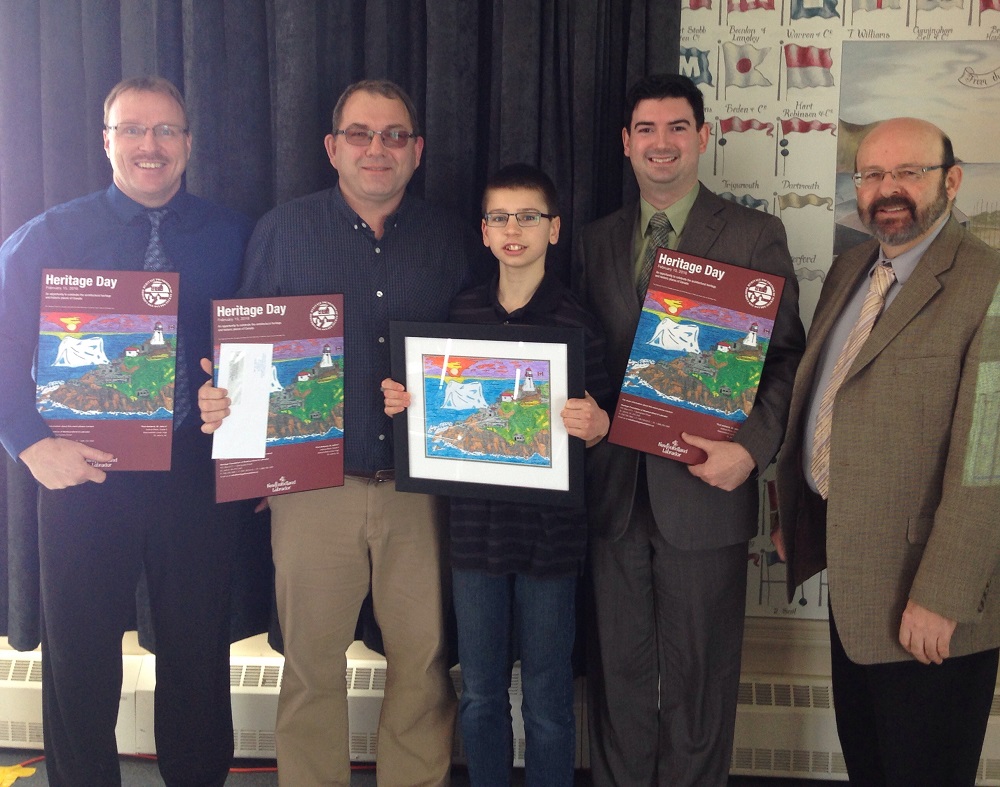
pixel 666 633
pixel 907 724
pixel 94 542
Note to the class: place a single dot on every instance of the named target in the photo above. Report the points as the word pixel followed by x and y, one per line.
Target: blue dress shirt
pixel 108 230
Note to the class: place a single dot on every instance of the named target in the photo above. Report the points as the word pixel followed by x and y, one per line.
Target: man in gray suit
pixel 890 473
pixel 668 553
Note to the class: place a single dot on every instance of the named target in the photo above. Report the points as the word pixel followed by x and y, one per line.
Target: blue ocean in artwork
pixel 114 347
pixel 438 418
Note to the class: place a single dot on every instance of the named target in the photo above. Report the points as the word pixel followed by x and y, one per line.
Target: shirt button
pixel 364 225
pixel 378 293
pixel 381 437
pixel 355 226
pixel 381 340
pixel 378 250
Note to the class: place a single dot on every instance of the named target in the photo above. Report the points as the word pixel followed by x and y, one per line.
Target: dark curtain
pixel 496 82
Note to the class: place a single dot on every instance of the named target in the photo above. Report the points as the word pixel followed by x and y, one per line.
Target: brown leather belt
pixel 378 475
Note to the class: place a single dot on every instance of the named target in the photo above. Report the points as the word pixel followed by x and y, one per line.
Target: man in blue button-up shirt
pixel 99 531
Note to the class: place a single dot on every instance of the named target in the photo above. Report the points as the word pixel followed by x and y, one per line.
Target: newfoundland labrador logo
pixel 673 448
pixel 279 486
pixel 760 293
pixel 323 316
pixel 157 293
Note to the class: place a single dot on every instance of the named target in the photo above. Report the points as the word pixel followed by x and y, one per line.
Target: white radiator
pixel 784 724
pixel 21 701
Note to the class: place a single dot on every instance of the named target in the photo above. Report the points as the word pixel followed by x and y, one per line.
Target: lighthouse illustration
pixel 327 360
pixel 157 340
pixel 751 337
pixel 529 382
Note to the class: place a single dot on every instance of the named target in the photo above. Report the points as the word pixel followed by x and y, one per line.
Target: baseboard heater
pixel 784 724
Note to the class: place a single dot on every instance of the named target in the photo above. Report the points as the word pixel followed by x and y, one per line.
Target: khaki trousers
pixel 327 545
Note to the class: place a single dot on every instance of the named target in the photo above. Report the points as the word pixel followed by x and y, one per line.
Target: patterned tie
pixel 658 233
pixel 156 260
pixel 882 280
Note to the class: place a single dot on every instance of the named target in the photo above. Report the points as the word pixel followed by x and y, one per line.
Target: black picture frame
pixel 445 469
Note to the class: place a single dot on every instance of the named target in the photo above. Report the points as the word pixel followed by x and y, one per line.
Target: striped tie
pixel 155 259
pixel 882 280
pixel 659 236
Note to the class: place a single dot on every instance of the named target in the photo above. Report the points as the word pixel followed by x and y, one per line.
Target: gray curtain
pixel 495 82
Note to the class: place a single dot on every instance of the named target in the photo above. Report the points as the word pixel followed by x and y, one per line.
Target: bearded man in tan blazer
pixel 892 480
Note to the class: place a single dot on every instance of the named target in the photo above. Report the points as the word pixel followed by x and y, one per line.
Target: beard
pixel 894 231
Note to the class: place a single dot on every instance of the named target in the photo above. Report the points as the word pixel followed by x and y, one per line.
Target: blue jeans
pixel 541 611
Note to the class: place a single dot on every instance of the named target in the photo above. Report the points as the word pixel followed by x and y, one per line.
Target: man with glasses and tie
pixel 889 475
pixel 393 257
pixel 98 532
pixel 668 552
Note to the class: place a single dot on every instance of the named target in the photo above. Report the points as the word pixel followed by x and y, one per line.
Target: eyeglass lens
pixel 391 138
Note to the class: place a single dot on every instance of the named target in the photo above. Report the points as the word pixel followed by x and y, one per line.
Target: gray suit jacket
pixel 914 508
pixel 689 513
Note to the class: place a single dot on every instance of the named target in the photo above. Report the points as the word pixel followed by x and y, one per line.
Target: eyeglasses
pixel 362 137
pixel 525 218
pixel 134 131
pixel 902 175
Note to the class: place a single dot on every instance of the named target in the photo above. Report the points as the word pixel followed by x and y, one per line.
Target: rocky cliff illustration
pixel 309 406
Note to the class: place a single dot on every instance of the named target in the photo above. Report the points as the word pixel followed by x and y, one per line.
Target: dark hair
pixel 524 176
pixel 145 84
pixel 658 86
pixel 949 152
pixel 380 87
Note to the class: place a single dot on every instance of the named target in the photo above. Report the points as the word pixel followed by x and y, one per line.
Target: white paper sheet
pixel 245 371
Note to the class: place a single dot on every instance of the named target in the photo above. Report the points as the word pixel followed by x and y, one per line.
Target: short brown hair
pixel 145 84
pixel 380 87
pixel 524 176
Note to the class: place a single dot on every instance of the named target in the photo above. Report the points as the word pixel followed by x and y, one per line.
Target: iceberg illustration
pixel 464 396
pixel 275 384
pixel 675 336
pixel 81 352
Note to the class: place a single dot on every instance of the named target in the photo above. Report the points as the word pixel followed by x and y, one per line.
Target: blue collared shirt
pixel 318 245
pixel 108 230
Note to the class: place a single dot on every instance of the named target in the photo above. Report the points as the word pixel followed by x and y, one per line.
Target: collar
pixel 545 300
pixel 904 264
pixel 345 210
pixel 127 209
pixel 677 213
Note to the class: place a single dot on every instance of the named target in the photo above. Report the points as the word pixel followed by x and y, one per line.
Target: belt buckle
pixel 385 475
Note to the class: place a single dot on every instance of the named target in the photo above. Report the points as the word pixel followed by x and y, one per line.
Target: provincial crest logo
pixel 760 293
pixel 157 293
pixel 323 316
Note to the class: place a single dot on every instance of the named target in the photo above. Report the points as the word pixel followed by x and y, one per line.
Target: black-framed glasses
pixel 135 131
pixel 362 137
pixel 525 218
pixel 902 175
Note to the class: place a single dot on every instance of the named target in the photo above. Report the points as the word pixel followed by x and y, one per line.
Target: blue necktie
pixel 156 260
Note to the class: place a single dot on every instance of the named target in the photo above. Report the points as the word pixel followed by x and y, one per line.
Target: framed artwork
pixel 483 419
